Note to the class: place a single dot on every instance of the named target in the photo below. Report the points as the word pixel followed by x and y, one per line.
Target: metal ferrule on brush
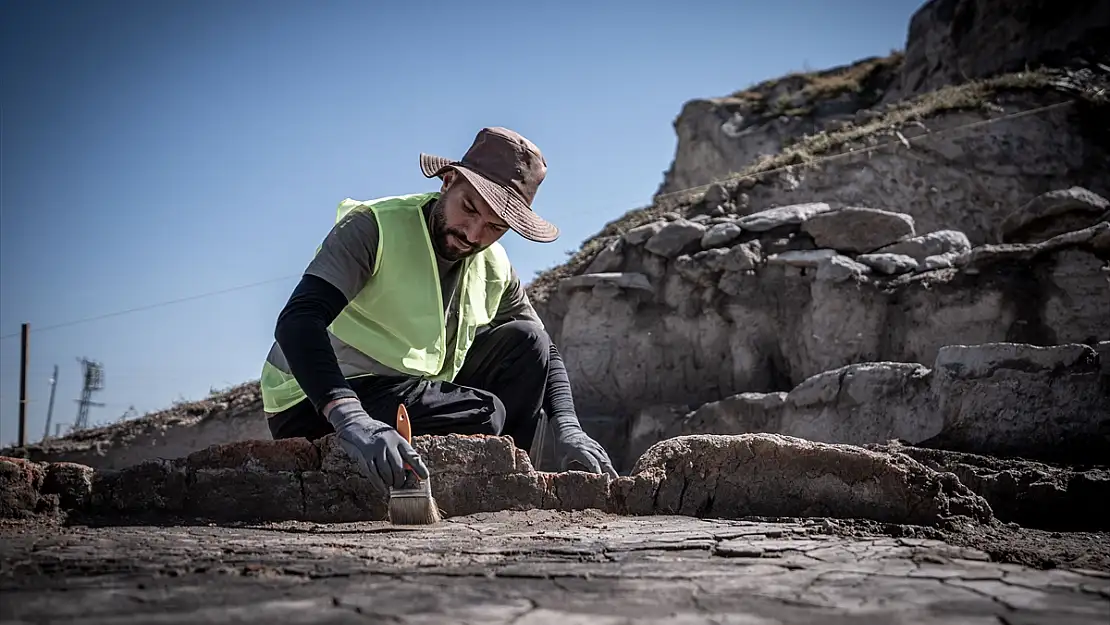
pixel 414 487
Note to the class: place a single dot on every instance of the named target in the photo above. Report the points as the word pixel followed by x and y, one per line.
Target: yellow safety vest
pixel 397 318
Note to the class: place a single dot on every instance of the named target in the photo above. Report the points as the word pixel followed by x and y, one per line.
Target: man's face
pixel 462 222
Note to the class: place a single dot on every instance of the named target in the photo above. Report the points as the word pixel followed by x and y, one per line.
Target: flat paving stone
pixel 524 568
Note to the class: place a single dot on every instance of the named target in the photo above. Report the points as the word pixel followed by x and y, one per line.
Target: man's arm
pixel 302 333
pixel 337 273
pixel 514 305
pixel 558 402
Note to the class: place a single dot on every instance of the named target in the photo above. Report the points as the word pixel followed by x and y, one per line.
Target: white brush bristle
pixel 413 506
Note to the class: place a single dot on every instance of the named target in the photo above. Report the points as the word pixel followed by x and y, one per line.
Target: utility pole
pixel 50 408
pixel 24 353
pixel 93 381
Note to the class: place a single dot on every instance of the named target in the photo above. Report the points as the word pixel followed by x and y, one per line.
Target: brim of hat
pixel 506 204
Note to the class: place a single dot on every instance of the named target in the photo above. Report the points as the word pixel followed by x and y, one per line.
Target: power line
pixel 901 140
pixel 156 305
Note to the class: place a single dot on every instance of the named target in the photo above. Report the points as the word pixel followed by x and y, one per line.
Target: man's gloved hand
pixel 572 444
pixel 379 449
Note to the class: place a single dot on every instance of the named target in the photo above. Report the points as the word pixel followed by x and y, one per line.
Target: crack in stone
pixel 682 493
pixel 533 606
pixel 337 602
pixel 981 593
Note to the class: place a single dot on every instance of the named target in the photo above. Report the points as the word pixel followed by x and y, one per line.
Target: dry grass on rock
pixel 974 95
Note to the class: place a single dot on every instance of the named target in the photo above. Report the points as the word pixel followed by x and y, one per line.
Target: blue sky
pixel 153 151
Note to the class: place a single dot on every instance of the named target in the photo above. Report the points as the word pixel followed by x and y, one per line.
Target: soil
pixel 544 566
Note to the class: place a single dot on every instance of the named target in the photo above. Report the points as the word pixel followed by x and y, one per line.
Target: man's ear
pixel 448 180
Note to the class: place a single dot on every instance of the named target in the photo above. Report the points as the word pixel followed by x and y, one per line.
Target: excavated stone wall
pixel 705 475
pixel 718 476
pixel 684 310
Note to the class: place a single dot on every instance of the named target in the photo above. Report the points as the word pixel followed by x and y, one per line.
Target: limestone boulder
pixel 676 237
pixel 932 244
pixel 1050 403
pixel 889 264
pixel 721 234
pixel 609 259
pixel 859 230
pixel 840 268
pixel 863 403
pixel 1054 213
pixel 793 215
pixel 743 413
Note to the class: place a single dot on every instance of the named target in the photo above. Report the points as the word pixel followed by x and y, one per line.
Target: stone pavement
pixel 526 568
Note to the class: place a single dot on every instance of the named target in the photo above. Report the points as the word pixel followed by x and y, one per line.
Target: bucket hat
pixel 506 169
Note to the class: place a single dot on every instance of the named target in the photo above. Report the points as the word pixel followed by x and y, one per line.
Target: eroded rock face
pixel 1022 400
pixel 716 134
pixel 755 316
pixel 1048 403
pixel 952 41
pixel 721 476
pixel 920 160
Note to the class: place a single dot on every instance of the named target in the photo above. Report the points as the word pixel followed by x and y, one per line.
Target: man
pixel 411 299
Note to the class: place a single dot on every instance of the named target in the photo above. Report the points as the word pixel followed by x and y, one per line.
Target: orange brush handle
pixel 404 427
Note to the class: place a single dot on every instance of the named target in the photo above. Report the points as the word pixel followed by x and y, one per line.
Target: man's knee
pixel 527 336
pixel 494 414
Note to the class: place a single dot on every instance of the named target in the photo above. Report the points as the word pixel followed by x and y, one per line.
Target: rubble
pixel 1031 494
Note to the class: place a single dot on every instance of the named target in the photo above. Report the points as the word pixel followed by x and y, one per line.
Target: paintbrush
pixel 411 504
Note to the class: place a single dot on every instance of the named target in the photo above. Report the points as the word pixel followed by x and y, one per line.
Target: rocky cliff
pixel 951 41
pixel 880 212
pixel 948 43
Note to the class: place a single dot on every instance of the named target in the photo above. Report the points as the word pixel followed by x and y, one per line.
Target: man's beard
pixel 442 235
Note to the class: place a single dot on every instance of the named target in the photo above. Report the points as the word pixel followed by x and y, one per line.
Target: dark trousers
pixel 498 391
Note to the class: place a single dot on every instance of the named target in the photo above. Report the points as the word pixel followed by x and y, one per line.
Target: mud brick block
pixel 294 454
pixel 332 497
pixel 458 494
pixel 71 482
pixel 238 494
pixel 455 453
pixel 575 490
pixel 20 487
pixel 147 487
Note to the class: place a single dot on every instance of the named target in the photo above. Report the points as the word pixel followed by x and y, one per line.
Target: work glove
pixel 572 444
pixel 379 450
